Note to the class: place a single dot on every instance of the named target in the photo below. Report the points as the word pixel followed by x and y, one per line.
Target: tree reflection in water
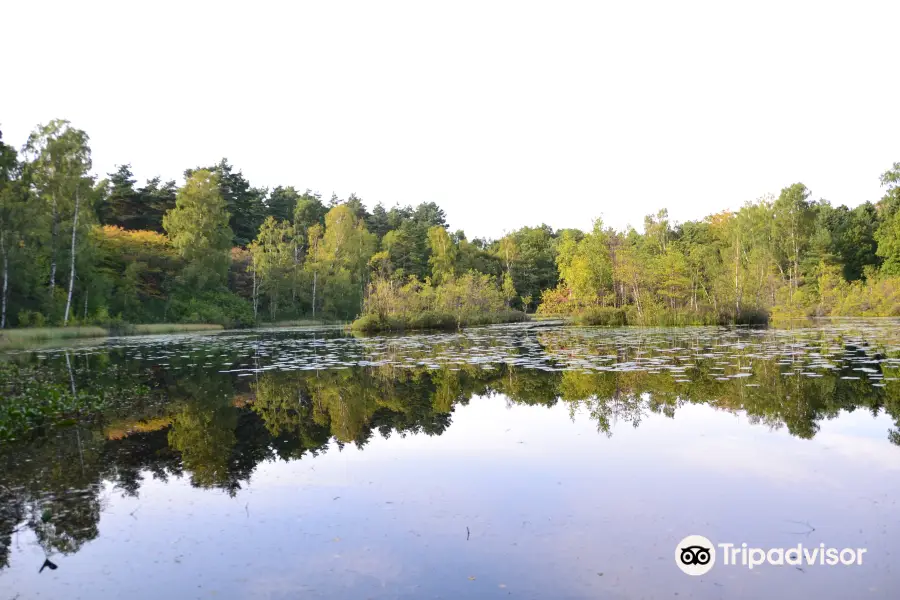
pixel 215 427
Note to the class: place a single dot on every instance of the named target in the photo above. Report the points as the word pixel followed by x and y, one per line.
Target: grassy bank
pixel 25 337
pixel 433 320
pixel 302 323
pixel 604 316
pixel 160 328
pixel 32 335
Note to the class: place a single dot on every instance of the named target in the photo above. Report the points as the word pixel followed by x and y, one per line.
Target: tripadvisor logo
pixel 696 555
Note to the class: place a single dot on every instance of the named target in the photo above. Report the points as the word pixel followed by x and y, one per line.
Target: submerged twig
pixel 806 524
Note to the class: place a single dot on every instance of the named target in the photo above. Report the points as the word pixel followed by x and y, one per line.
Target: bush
pixel 469 299
pixel 606 316
pixel 752 316
pixel 222 308
pixel 34 318
pixel 31 318
pixel 433 320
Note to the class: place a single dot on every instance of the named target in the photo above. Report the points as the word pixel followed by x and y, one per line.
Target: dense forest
pixel 81 249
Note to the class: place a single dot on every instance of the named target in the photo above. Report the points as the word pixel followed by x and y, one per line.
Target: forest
pixel 81 249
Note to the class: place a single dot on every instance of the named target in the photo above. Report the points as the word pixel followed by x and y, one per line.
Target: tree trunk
pixel 5 279
pixel 294 277
pixel 72 262
pixel 315 280
pixel 255 297
pixel 737 293
pixel 54 235
pixel 796 274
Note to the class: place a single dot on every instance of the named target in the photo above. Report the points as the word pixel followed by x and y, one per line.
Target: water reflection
pixel 212 410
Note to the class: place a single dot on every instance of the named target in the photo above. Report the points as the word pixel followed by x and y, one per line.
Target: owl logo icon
pixel 695 555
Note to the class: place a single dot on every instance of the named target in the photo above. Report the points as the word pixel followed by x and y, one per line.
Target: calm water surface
pixel 516 461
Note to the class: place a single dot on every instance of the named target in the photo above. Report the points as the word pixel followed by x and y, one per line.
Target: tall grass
pixel 657 316
pixel 32 336
pixel 301 323
pixel 601 315
pixel 434 320
pixel 158 328
pixel 24 337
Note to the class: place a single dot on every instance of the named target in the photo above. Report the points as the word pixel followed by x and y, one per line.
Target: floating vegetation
pixel 683 365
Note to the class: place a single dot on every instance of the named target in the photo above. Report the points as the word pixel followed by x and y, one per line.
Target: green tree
pixel 13 217
pixel 657 232
pixel 793 221
pixel 157 199
pixel 345 252
pixel 122 204
pixel 585 266
pixel 443 254
pixel 536 264
pixel 508 289
pixel 856 242
pixel 888 233
pixel 378 222
pixel 429 214
pixel 198 229
pixel 315 262
pixel 407 253
pixel 308 211
pixel 508 252
pixel 475 255
pixel 273 261
pixel 355 203
pixel 281 203
pixel 57 162
pixel 245 204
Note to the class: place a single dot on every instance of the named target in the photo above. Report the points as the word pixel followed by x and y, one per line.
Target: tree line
pixel 78 249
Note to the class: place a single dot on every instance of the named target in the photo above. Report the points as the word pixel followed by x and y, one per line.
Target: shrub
pixel 433 320
pixel 222 308
pixel 31 318
pixel 752 316
pixel 469 299
pixel 606 316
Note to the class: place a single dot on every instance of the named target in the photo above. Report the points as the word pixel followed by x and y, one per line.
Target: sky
pixel 504 113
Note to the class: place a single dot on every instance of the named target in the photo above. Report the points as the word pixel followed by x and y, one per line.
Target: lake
pixel 524 461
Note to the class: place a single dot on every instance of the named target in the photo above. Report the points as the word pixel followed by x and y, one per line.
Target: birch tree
pixel 314 260
pixel 443 255
pixel 57 162
pixel 12 216
pixel 273 261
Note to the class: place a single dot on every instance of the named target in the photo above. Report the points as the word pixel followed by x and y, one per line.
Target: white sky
pixel 504 113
